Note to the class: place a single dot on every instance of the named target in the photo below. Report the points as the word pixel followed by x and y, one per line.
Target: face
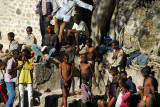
pixel 124 90
pixel 112 73
pixel 75 20
pixel 114 46
pixel 144 74
pixel 23 54
pixel 83 58
pixel 2 67
pixel 108 90
pixel 9 38
pixel 16 56
pixel 28 31
pixel 65 59
pixel 120 83
pixel 49 29
pixel 124 76
pixel 88 43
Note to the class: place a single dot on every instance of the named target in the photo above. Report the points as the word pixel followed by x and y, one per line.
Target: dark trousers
pixel 44 22
pixel 3 93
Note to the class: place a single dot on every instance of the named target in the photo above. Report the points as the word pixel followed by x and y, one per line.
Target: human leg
pixel 56 27
pixel 21 92
pixel 3 93
pixel 52 51
pixel 62 26
pixel 37 49
pixel 112 102
pixel 11 90
pixel 99 103
pixel 142 103
pixel 30 95
pixel 149 102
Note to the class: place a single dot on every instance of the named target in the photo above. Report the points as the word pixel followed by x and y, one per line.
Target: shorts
pixel 63 85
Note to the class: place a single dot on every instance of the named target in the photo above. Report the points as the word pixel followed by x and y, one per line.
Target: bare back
pixel 148 86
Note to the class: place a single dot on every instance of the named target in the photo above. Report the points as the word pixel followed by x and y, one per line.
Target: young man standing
pixel 11 77
pixel 150 88
pixel 46 9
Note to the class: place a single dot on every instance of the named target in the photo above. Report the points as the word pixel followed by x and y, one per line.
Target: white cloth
pixel 30 94
pixel 119 100
pixel 64 13
pixel 81 27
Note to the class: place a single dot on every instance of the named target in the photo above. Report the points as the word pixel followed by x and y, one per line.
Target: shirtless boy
pixel 86 69
pixel 148 89
pixel 92 54
pixel 65 74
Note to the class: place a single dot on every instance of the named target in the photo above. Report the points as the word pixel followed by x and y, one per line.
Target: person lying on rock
pixel 49 46
pixel 87 96
pixel 79 31
pixel 92 54
pixel 86 68
pixel 107 97
pixel 149 89
pixel 70 50
pixel 65 73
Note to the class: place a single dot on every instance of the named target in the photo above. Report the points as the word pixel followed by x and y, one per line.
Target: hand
pixel 77 50
pixel 108 94
pixel 66 84
pixel 140 87
pixel 49 17
pixel 96 85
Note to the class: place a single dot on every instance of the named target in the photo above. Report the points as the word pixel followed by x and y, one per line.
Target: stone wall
pixel 138 25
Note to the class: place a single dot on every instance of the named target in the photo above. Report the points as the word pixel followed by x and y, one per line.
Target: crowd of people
pixel 17 64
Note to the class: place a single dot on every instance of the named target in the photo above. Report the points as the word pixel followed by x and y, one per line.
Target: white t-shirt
pixel 119 100
pixel 81 27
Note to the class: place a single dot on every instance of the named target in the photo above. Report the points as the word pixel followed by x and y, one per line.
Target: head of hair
pixel 114 69
pixel 1 46
pixel 123 72
pixel 30 28
pixel 115 42
pixel 146 69
pixel 76 16
pixel 27 52
pixel 15 52
pixel 2 63
pixel 108 86
pixel 122 80
pixel 69 40
pixel 50 25
pixel 126 86
pixel 90 40
pixel 11 34
pixel 65 55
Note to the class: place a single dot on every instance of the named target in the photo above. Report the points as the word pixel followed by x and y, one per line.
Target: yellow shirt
pixel 26 72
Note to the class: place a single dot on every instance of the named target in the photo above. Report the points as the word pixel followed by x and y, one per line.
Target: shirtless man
pixel 148 89
pixel 86 69
pixel 70 50
pixel 65 74
pixel 92 54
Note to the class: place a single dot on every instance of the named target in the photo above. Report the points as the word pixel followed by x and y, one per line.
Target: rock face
pixel 138 25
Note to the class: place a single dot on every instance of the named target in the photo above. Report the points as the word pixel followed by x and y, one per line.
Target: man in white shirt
pixel 79 30
pixel 63 15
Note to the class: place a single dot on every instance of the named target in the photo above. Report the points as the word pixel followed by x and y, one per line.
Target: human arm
pixel 91 69
pixel 32 40
pixel 119 59
pixel 38 6
pixel 71 74
pixel 55 7
pixel 115 82
pixel 60 73
pixel 84 5
pixel 151 83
